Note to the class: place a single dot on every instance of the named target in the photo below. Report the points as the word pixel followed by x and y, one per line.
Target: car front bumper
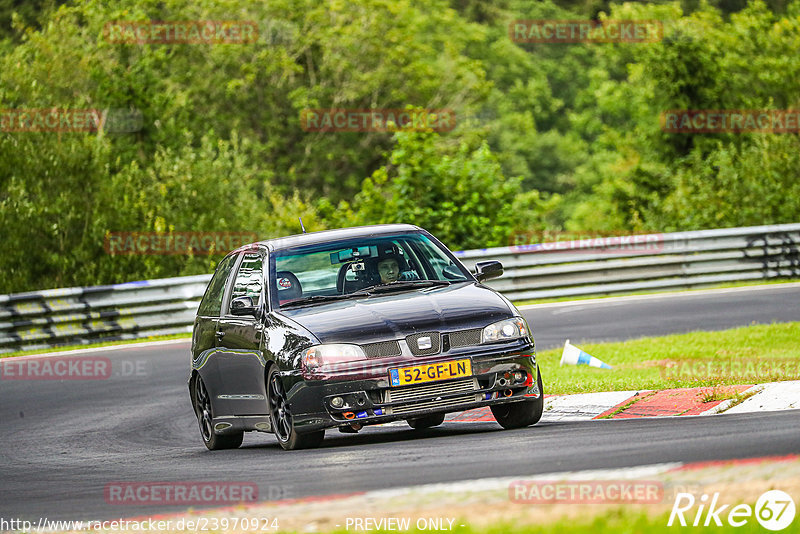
pixel 369 398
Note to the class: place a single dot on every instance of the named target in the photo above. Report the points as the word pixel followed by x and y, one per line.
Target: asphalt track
pixel 64 441
pixel 620 318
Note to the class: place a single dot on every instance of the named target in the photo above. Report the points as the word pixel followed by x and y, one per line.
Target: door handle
pixel 220 335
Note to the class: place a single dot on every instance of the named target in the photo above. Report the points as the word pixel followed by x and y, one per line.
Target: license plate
pixel 430 372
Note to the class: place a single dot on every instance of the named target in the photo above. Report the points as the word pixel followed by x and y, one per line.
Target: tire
pixel 202 409
pixel 281 418
pixel 520 414
pixel 427 421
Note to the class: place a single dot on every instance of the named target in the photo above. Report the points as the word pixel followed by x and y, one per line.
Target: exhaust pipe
pixel 508 393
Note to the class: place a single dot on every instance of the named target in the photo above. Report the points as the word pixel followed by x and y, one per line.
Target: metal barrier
pixel 43 319
pixel 678 260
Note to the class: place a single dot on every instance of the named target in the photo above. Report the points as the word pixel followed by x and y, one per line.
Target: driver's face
pixel 389 270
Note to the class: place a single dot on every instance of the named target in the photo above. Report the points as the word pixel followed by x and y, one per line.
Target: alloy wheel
pixel 281 415
pixel 203 407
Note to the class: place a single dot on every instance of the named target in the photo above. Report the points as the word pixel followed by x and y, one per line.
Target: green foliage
pixel 641 178
pixel 459 195
pixel 548 135
pixel 25 12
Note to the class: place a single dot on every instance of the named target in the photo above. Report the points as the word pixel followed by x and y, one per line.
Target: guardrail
pixel 678 260
pixel 43 319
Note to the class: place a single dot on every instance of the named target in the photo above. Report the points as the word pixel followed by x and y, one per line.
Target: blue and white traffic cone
pixel 572 355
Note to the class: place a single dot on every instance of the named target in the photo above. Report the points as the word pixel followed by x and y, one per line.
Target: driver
pixel 389 270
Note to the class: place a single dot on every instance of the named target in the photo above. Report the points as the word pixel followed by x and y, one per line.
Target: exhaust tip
pixel 508 393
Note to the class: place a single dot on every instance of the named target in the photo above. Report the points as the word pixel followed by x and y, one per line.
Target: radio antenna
pixel 301 224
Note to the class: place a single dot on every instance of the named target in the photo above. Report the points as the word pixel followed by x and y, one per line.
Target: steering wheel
pixel 366 278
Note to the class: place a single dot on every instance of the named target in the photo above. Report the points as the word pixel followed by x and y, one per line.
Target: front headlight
pixel 319 355
pixel 505 330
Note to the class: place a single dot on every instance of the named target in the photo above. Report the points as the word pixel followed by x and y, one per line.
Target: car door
pixel 207 319
pixel 239 341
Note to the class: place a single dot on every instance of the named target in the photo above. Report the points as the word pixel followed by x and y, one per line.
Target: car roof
pixel 324 236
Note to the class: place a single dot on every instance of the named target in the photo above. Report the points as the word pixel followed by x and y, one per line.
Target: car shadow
pixel 386 435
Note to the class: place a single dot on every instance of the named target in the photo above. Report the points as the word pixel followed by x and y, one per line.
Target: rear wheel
pixel 523 413
pixel 426 421
pixel 202 408
pixel 281 417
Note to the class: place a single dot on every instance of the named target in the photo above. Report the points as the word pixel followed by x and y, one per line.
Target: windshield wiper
pixel 401 285
pixel 313 299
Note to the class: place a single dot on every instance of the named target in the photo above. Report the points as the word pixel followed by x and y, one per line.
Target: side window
pixel 443 268
pixel 408 264
pixel 212 300
pixel 249 279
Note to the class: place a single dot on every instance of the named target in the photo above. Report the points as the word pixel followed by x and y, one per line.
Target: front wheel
pixel 523 413
pixel 202 408
pixel 281 416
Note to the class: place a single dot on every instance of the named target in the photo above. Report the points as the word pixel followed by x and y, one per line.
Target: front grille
pixel 426 394
pixel 465 338
pixel 382 349
pixel 413 343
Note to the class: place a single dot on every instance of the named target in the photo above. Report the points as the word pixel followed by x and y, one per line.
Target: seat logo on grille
pixel 424 343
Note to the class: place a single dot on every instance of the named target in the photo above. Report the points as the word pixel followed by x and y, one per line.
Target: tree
pixel 459 195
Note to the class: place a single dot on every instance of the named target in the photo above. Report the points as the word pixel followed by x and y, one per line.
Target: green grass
pixel 737 398
pixel 623 407
pixel 726 285
pixel 93 345
pixel 681 360
pixel 723 393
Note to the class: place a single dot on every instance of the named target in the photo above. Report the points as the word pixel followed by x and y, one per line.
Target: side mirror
pixel 243 306
pixel 486 270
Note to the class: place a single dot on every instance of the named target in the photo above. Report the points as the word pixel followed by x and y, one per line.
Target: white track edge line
pixel 656 296
pixel 132 345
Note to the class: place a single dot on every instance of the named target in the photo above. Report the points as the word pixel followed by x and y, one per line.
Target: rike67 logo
pixel 774 510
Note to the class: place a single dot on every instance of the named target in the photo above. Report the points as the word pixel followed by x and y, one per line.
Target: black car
pixel 353 327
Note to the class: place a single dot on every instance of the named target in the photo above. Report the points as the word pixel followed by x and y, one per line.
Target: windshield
pixel 355 268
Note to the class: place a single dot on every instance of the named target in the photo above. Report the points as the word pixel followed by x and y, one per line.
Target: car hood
pixel 390 316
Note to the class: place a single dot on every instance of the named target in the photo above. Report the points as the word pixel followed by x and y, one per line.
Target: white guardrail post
pixel 43 319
